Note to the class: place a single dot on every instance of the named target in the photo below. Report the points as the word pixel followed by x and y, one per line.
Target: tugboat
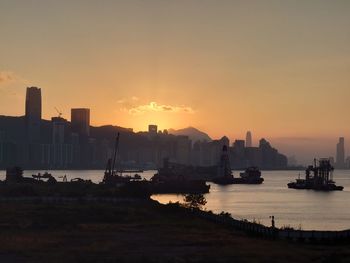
pixel 252 175
pixel 320 180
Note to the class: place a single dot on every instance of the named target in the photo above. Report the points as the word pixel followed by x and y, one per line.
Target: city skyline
pixel 277 69
pixel 33 142
pixel 80 118
pixel 80 125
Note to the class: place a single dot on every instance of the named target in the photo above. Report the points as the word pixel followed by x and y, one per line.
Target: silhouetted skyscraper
pixel 152 129
pixel 248 140
pixel 80 121
pixel 225 141
pixel 239 145
pixel 340 159
pixel 58 130
pixel 33 113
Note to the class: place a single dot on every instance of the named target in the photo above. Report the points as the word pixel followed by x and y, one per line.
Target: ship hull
pixel 228 180
pixel 330 187
pixel 173 187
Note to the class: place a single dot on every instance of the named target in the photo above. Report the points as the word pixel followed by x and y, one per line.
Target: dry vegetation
pixel 137 232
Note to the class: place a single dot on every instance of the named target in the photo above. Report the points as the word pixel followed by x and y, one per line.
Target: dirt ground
pixel 138 232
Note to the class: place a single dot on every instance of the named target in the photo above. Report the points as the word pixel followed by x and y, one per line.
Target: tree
pixel 195 201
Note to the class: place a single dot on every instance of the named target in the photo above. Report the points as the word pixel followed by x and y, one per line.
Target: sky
pixel 278 68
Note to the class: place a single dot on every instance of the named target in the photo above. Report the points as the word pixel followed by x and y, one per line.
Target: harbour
pixel 305 209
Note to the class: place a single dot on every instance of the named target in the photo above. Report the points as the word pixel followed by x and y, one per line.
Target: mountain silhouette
pixel 193 133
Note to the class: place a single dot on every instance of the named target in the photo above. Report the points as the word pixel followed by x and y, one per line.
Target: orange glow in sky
pixel 278 68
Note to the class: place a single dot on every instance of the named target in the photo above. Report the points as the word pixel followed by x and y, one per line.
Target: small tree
pixel 195 201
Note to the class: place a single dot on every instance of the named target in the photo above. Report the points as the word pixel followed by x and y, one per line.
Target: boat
pixel 178 185
pixel 15 175
pixel 113 176
pixel 251 175
pixel 170 180
pixel 317 177
pixel 165 181
pixel 45 176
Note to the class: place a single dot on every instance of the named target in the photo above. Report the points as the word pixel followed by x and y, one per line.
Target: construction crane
pixel 59 113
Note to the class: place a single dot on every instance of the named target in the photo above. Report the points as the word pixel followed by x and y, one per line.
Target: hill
pixel 193 133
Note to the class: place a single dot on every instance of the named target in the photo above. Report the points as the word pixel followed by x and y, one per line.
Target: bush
pixel 195 201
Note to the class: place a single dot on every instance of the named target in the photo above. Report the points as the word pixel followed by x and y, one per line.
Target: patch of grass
pixel 139 231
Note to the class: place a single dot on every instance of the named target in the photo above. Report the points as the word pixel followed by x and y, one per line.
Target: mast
pixel 115 152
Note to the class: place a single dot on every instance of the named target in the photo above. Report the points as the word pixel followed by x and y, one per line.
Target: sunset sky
pixel 278 68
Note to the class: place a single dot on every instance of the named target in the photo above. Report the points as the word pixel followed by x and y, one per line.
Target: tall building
pixel 183 149
pixel 270 157
pixel 248 140
pixel 2 137
pixel 80 121
pixel 238 146
pixel 225 141
pixel 33 114
pixel 61 152
pixel 340 159
pixel 152 129
pixel 58 130
pixel 237 156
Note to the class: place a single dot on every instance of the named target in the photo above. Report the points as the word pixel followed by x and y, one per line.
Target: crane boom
pixel 59 112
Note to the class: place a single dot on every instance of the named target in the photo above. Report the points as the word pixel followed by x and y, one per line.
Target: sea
pixel 300 209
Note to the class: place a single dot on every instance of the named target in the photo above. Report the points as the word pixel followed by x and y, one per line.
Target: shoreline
pixel 222 218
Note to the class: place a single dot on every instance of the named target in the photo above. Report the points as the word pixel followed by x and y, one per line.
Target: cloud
pixel 128 102
pixel 7 76
pixel 153 107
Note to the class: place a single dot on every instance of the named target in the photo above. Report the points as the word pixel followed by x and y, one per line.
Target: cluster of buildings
pixel 180 149
pixel 263 156
pixel 34 143
pixel 242 153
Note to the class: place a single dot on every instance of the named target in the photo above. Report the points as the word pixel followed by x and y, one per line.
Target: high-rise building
pixel 80 121
pixel 340 159
pixel 33 113
pixel 183 149
pixel 347 162
pixel 238 146
pixel 225 141
pixel 152 129
pixel 2 137
pixel 58 130
pixel 61 152
pixel 248 140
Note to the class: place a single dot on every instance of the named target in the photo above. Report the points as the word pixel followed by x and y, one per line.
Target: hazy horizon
pixel 304 149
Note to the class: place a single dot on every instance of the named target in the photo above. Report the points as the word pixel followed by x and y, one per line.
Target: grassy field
pixel 141 231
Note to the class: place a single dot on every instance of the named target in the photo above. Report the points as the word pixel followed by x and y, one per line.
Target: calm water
pixel 298 208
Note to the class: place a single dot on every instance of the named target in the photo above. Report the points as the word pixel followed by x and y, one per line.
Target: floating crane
pixel 317 177
pixel 112 174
